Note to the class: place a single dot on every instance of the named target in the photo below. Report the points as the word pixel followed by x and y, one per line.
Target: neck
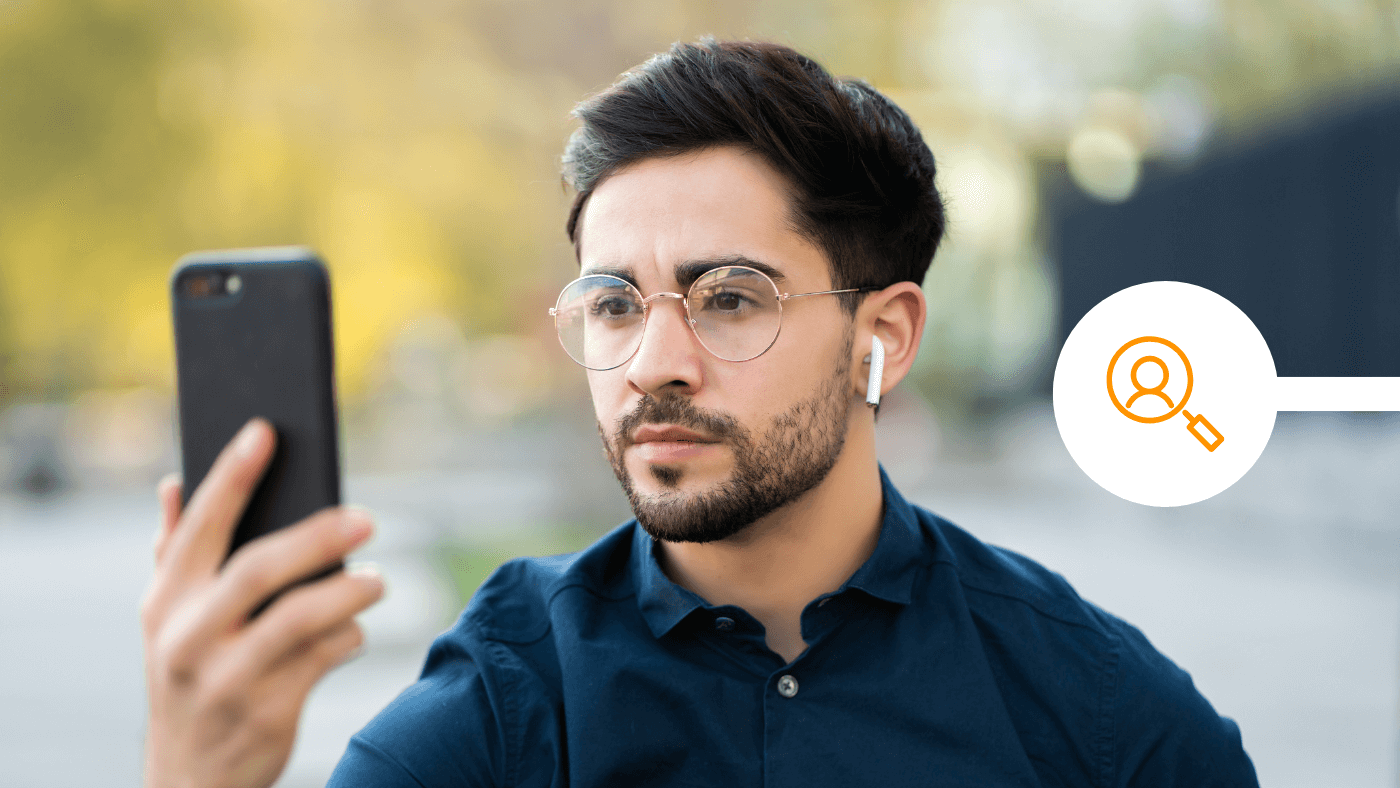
pixel 809 547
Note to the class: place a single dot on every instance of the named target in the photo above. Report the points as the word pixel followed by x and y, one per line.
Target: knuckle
pixel 245 472
pixel 252 570
pixel 300 622
pixel 337 648
pixel 218 692
pixel 224 702
pixel 367 597
pixel 330 544
pixel 176 662
pixel 256 582
pixel 316 539
pixel 228 683
pixel 330 654
pixel 230 474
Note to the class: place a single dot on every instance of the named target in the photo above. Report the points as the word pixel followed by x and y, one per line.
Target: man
pixel 751 235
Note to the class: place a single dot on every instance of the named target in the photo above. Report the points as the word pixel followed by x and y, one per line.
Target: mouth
pixel 669 443
pixel 668 433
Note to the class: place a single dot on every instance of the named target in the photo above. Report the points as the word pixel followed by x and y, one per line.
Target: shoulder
pixel 517 602
pixel 1147 724
pixel 1164 731
pixel 996 580
pixel 484 711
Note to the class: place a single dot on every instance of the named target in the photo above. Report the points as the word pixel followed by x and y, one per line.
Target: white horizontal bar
pixel 1337 394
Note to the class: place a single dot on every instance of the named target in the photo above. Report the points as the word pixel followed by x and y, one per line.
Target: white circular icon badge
pixel 1163 393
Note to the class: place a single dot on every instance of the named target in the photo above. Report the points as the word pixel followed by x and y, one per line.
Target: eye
pixel 726 301
pixel 729 301
pixel 614 305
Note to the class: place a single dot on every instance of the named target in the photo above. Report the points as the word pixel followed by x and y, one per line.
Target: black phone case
pixel 262 351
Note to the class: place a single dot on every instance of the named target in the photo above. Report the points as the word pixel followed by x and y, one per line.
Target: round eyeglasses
pixel 735 312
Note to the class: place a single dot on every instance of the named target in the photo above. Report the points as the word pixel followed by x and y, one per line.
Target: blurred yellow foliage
pixel 133 132
pixel 415 145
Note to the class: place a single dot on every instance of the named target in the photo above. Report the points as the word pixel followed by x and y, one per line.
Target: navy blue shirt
pixel 941 661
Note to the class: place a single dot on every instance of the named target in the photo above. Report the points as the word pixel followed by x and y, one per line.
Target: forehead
pixel 722 203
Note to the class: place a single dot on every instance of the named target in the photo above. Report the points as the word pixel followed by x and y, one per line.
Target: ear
pixel 896 315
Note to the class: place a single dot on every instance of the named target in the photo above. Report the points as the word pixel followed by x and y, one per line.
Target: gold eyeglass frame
pixel 689 320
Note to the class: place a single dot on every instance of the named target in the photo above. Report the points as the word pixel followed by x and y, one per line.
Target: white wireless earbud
pixel 876 359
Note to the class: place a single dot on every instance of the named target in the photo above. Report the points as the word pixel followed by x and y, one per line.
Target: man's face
pixel 702 446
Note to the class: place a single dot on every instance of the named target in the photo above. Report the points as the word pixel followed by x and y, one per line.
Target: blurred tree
pixel 416 144
pixel 86 170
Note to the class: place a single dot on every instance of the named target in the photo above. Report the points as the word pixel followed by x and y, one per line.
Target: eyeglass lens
pixel 735 312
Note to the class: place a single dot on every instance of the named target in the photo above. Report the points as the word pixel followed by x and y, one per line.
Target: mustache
pixel 680 412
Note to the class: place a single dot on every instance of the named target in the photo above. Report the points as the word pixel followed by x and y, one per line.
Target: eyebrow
pixel 690 270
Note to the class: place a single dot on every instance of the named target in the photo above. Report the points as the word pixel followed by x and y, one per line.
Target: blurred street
pixel 1280 596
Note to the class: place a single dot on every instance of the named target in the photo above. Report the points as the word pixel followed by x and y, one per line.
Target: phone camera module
pixel 203 285
pixel 210 284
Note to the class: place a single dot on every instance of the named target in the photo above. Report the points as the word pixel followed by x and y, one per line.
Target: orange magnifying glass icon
pixel 1158 392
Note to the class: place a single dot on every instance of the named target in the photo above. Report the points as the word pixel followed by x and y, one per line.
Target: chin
pixel 665 480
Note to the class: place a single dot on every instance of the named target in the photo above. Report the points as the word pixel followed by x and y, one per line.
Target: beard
pixel 794 455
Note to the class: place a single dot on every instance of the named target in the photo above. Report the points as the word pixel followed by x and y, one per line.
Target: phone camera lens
pixel 202 285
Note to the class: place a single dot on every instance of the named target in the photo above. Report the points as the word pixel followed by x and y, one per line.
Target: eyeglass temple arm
pixel 786 296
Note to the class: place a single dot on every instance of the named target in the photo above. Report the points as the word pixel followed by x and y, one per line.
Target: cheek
pixel 755 392
pixel 611 396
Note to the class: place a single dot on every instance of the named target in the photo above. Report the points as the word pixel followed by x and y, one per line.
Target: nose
pixel 669 358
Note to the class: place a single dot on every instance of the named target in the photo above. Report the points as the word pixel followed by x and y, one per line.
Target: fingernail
pixel 248 438
pixel 354 655
pixel 365 570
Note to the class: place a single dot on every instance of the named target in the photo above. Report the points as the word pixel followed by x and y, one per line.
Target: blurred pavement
pixel 1280 596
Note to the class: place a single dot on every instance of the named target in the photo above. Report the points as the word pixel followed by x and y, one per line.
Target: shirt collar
pixel 663 603
pixel 889 573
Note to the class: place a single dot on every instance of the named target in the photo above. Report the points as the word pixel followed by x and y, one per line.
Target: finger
pixel 337 647
pixel 200 542
pixel 314 658
pixel 293 679
pixel 288 630
pixel 168 494
pixel 272 562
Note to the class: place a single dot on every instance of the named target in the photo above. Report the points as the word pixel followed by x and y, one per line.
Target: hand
pixel 226 693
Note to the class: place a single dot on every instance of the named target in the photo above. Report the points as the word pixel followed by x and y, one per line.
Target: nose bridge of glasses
pixel 685 304
pixel 655 329
pixel 655 296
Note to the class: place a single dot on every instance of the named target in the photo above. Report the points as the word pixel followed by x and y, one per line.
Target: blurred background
pixel 1248 146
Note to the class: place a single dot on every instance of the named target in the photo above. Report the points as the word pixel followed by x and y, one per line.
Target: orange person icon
pixel 1154 390
pixel 1159 391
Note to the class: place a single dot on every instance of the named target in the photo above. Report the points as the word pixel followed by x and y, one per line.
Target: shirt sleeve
pixel 441 731
pixel 1164 732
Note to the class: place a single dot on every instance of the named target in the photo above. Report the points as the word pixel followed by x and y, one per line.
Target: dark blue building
pixel 1301 230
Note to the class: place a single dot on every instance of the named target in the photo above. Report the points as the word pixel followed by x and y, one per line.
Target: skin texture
pixel 225 693
pixel 662 213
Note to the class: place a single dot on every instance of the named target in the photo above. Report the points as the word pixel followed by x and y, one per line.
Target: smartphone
pixel 253 338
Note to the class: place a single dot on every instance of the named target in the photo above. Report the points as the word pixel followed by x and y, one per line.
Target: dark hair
pixel 862 177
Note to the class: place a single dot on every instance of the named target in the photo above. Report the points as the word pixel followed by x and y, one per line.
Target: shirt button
pixel 787 686
pixel 724 623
